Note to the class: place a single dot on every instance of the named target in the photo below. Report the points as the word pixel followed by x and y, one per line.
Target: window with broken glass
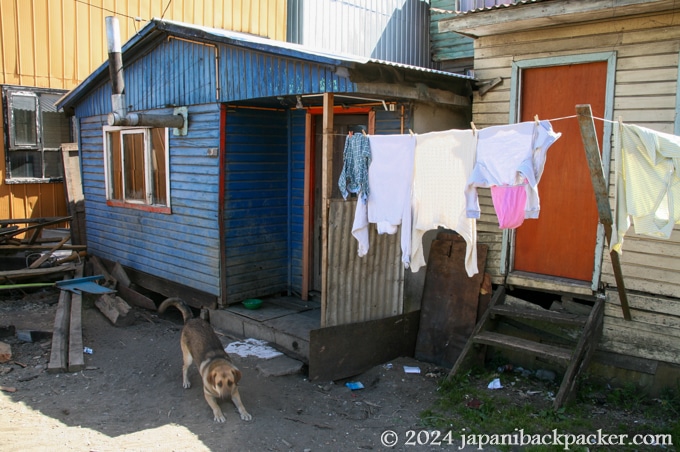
pixel 136 166
pixel 34 132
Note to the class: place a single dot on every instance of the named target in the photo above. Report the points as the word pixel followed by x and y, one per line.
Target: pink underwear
pixel 509 202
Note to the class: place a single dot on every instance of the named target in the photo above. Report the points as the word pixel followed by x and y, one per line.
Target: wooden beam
pixel 76 360
pixel 326 181
pixel 59 353
pixel 592 149
pixel 47 255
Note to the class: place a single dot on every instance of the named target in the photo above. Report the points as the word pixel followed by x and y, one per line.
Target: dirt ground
pixel 130 396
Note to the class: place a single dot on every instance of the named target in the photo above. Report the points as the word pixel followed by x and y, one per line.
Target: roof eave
pixel 533 15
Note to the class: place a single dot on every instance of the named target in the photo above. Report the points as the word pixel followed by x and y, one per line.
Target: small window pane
pixel 133 158
pixel 159 166
pixel 56 129
pixel 53 164
pixel 24 119
pixel 25 163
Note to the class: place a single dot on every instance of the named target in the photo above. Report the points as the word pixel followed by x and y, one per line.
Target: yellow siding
pixel 58 43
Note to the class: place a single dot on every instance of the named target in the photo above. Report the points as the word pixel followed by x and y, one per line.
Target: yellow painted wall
pixel 58 43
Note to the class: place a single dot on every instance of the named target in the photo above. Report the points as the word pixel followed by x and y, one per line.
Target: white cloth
pixel 443 164
pixel 647 182
pixel 390 177
pixel 511 154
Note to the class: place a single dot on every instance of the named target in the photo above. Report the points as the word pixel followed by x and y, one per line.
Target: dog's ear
pixel 211 378
pixel 237 374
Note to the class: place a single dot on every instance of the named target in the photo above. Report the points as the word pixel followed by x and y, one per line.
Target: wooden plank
pixel 11 275
pixel 74 192
pixel 545 351
pixel 346 350
pixel 326 181
pixel 543 315
pixel 118 272
pixel 47 255
pixel 589 136
pixel 76 360
pixel 194 298
pixel 449 302
pixel 659 305
pixel 135 298
pixel 582 354
pixel 496 299
pixel 59 353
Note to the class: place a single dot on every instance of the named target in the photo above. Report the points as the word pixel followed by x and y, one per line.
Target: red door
pixel 561 242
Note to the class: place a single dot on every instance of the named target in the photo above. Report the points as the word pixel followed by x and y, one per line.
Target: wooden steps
pixel 574 360
pixel 549 352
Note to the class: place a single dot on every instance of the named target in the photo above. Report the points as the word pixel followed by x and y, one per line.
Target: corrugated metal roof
pixel 157 27
pixel 490 8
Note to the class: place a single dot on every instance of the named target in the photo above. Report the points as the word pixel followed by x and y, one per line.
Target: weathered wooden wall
pixel 646 87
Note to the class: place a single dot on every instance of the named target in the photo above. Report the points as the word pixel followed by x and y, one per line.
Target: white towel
pixel 390 177
pixel 443 164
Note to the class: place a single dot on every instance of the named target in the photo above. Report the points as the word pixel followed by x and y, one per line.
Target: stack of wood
pixel 117 307
pixel 67 337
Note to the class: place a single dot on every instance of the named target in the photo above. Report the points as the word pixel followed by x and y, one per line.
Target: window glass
pixel 23 117
pixel 25 163
pixel 136 162
pixel 158 165
pixel 133 161
pixel 35 133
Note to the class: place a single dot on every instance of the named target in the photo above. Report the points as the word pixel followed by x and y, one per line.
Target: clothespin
pixel 410 132
pixel 536 119
pixel 363 132
pixel 474 128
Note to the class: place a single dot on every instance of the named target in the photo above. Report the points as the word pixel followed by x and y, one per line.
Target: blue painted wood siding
pixel 182 73
pixel 257 187
pixel 297 198
pixel 183 246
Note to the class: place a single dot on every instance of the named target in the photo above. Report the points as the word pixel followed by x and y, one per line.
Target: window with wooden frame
pixel 34 132
pixel 136 167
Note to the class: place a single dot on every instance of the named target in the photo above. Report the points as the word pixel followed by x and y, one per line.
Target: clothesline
pixel 551 120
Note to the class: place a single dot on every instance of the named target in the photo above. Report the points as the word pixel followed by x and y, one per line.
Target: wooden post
pixel 585 121
pixel 326 181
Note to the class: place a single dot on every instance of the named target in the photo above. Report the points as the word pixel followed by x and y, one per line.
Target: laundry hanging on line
pixel 356 160
pixel 512 157
pixel 389 205
pixel 647 183
pixel 443 185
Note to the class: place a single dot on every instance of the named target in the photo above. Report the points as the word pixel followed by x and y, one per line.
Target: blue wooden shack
pixel 251 182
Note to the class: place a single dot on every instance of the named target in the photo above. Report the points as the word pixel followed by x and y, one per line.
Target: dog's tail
pixel 179 304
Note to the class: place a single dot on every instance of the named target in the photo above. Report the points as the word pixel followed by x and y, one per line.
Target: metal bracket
pixel 184 112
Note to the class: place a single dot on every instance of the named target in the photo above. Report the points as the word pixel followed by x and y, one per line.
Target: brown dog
pixel 201 345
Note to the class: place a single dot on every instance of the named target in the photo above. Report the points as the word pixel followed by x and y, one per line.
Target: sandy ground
pixel 130 396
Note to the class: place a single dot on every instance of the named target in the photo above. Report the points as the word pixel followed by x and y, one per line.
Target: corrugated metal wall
pixel 182 247
pixel 369 287
pixel 167 75
pixel 256 203
pixel 391 30
pixel 58 43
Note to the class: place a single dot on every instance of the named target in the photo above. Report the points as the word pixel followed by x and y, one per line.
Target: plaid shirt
pixel 356 159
